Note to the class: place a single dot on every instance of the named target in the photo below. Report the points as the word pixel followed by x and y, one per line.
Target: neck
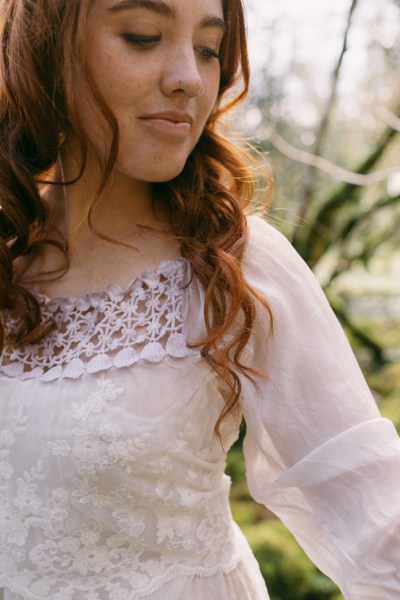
pixel 122 206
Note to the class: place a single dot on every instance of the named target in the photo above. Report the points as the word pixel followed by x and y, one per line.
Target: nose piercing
pixel 200 92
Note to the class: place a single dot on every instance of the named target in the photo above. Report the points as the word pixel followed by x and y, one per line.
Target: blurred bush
pixel 289 574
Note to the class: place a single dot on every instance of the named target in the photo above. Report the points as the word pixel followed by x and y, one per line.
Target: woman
pixel 143 314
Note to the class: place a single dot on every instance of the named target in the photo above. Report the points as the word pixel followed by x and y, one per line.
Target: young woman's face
pixel 156 65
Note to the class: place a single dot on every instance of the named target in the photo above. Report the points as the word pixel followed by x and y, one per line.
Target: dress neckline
pixel 112 291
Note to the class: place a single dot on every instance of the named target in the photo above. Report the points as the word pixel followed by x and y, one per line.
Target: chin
pixel 166 178
pixel 154 164
pixel 154 175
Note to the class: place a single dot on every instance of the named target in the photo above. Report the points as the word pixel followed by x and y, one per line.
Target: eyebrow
pixel 211 21
pixel 165 10
pixel 157 6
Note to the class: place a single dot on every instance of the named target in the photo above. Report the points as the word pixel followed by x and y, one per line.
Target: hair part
pixel 42 53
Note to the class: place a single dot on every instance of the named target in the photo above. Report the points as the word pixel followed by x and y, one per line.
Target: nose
pixel 181 74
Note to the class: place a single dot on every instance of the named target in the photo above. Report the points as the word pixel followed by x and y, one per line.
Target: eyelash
pixel 144 41
pixel 148 41
pixel 208 53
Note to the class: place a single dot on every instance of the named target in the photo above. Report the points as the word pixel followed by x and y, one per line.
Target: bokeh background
pixel 324 112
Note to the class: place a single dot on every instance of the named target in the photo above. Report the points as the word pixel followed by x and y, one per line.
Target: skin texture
pixel 151 67
pixel 146 63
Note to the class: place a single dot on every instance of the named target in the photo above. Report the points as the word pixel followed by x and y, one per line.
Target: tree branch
pixel 307 194
pixel 388 117
pixel 325 165
pixel 317 237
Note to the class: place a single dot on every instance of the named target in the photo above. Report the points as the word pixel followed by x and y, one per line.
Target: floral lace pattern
pixel 142 525
pixel 117 490
pixel 115 328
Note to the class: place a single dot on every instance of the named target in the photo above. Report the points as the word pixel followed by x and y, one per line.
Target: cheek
pixel 113 87
pixel 212 86
pixel 209 106
pixel 110 82
pixel 109 66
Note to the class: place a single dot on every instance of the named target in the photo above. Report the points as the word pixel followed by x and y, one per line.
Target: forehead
pixel 169 9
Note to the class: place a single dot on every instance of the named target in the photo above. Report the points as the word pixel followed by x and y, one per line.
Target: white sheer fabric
pixel 318 453
pixel 112 482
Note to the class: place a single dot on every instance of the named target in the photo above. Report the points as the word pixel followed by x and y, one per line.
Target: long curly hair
pixel 42 44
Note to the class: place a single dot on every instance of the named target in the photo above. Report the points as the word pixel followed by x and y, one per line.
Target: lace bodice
pixel 112 483
pixel 114 328
pixel 77 523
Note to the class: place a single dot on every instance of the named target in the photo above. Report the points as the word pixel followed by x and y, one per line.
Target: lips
pixel 170 123
pixel 171 115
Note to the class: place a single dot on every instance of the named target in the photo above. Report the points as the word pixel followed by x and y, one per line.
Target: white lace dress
pixel 112 483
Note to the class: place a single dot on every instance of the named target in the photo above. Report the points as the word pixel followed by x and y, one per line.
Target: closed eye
pixel 143 41
pixel 208 53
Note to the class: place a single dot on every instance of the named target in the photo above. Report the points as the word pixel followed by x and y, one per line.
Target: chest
pixel 146 421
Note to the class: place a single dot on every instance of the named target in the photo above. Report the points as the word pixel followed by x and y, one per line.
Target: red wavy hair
pixel 42 43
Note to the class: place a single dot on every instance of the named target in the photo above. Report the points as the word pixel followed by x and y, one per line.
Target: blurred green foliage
pixel 289 574
pixel 285 567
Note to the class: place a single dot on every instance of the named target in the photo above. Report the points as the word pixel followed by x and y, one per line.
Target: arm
pixel 318 452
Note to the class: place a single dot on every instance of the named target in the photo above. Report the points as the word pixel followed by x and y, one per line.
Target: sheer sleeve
pixel 317 451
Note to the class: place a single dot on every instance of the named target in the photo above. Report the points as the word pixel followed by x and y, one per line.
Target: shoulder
pixel 277 272
pixel 259 230
pixel 270 255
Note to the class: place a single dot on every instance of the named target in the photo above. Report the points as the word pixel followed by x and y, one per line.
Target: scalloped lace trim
pixel 114 328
